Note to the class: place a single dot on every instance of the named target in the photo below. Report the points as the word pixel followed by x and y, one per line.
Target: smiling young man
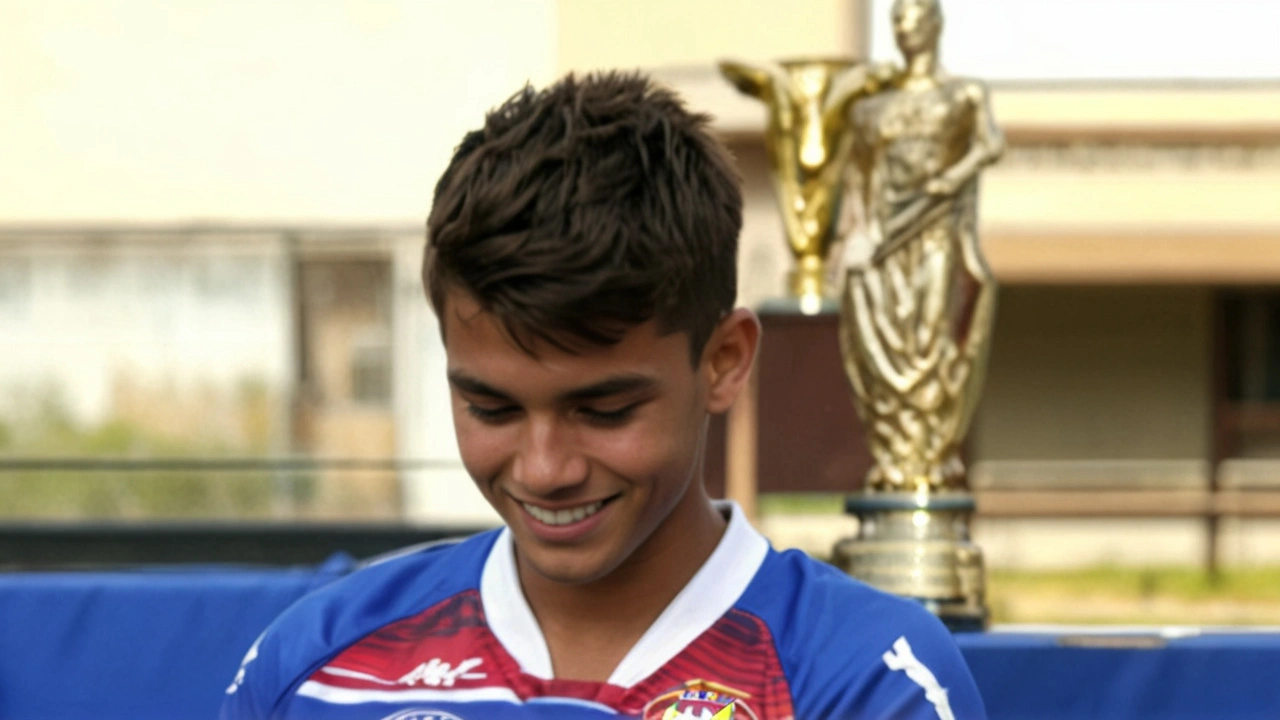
pixel 581 259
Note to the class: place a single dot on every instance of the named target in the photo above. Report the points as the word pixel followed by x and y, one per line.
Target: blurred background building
pixel 211 225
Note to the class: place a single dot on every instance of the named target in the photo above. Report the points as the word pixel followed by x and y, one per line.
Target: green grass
pixel 1180 595
pixel 1144 596
pixel 801 503
pixel 1261 584
pixel 40 426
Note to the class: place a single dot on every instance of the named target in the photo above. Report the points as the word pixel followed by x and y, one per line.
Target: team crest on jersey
pixel 421 715
pixel 700 700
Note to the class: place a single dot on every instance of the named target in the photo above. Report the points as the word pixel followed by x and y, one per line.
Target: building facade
pixel 210 237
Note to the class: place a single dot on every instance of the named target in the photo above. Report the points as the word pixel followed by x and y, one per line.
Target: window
pixel 1251 326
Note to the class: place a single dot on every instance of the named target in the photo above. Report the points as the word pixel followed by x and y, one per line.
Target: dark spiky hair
pixel 582 210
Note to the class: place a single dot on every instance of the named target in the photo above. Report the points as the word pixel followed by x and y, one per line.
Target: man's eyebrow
pixel 605 388
pixel 468 384
pixel 610 386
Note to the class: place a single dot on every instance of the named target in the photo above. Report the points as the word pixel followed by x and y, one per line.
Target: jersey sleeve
pixel 328 619
pixel 849 651
pixel 899 663
pixel 922 680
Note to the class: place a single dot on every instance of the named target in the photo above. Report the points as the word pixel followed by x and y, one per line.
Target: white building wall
pixel 236 112
pixel 83 320
pixel 1100 39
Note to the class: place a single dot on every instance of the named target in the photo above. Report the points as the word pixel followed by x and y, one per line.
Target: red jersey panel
pixel 449 646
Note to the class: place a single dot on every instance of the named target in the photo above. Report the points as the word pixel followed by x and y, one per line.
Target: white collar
pixel 709 594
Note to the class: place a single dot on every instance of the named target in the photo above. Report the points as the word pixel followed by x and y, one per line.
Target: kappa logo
pixel 438 673
pixel 421 715
pixel 435 673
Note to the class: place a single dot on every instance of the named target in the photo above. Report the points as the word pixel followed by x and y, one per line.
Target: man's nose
pixel 549 458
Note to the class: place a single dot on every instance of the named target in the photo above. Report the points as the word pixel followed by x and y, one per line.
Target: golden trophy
pixel 809 146
pixel 916 315
pixel 900 148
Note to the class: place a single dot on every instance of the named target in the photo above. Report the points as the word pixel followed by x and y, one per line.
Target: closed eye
pixel 609 417
pixel 492 415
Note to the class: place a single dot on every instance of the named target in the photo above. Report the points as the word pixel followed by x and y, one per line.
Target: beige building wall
pixel 680 33
pixel 340 110
pixel 1095 375
pixel 1152 183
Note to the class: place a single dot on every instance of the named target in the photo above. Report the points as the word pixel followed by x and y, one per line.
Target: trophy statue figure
pixel 809 144
pixel 916 316
pixel 919 300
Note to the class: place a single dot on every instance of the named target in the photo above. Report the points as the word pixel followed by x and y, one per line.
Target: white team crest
pixel 699 700
pixel 422 715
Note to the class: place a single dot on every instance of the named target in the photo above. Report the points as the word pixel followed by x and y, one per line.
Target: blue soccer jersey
pixel 445 633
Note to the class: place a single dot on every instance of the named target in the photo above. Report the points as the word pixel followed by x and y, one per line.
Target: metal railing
pixel 274 511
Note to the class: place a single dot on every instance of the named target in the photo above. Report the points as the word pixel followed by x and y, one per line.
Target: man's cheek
pixel 481 452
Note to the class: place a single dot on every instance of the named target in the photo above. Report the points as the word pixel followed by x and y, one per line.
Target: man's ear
pixel 729 357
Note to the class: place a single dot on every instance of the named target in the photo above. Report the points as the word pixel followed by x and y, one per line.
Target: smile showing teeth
pixel 563 517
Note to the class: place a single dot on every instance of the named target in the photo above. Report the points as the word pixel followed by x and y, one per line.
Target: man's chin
pixel 566 566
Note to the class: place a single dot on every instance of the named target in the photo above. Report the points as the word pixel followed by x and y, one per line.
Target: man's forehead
pixel 463 312
pixel 544 372
pixel 480 325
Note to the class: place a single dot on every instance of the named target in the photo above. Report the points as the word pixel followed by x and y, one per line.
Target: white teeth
pixel 563 517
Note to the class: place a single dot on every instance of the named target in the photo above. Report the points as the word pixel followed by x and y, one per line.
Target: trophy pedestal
pixel 917 545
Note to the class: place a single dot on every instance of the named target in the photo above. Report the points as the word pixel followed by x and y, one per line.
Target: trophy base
pixel 917 545
pixel 798 306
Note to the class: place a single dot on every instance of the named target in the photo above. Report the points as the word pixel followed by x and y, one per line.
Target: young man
pixel 581 259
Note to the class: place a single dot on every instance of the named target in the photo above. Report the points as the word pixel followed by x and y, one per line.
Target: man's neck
pixel 590 627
